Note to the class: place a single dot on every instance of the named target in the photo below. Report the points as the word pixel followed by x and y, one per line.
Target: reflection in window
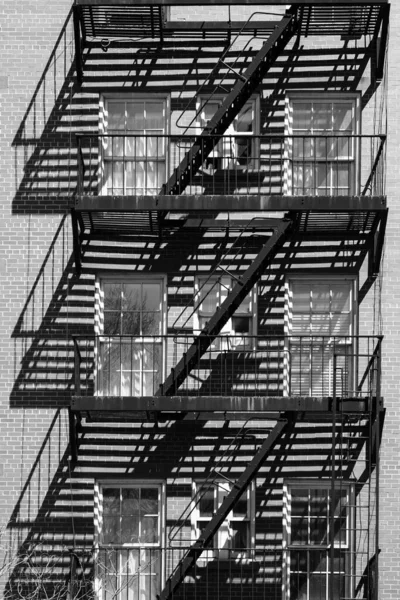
pixel 134 147
pixel 128 553
pixel 130 347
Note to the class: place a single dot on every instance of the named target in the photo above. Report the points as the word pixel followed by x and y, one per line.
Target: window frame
pixel 221 487
pixel 322 97
pixel 227 329
pixel 99 485
pixel 226 162
pixel 349 341
pixel 348 547
pixel 125 277
pixel 104 100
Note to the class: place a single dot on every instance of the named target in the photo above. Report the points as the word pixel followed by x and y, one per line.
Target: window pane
pixel 112 296
pixel 299 505
pixel 154 115
pixel 112 323
pixel 151 296
pixel 111 533
pixel 206 504
pixel 301 115
pixel 239 539
pixel 241 507
pixel 319 531
pixel 317 587
pixel 244 122
pixel 135 115
pixel 111 498
pixel 130 501
pixel 149 501
pixel 343 116
pixel 130 530
pixel 131 296
pixel 322 116
pixel 116 115
pixel 131 323
pixel 209 297
pixel 149 530
pixel 299 531
pixel 241 324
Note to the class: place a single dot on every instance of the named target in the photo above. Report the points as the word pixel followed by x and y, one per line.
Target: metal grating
pixel 151 21
pixel 336 222
pixel 347 21
pixel 134 223
pixel 122 21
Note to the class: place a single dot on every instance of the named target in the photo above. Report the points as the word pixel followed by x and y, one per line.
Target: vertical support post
pixel 76 243
pixel 77 368
pixel 78 45
pixel 332 501
pixel 72 435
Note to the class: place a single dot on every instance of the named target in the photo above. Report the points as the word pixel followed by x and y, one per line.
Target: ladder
pixel 235 297
pixel 283 425
pixel 231 106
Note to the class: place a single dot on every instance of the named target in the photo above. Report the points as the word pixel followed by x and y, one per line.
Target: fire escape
pixel 197 189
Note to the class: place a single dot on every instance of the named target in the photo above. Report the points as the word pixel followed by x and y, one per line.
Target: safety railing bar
pixel 372 359
pixel 375 165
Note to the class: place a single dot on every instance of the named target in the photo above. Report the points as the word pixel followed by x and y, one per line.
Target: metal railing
pixel 311 165
pixel 233 365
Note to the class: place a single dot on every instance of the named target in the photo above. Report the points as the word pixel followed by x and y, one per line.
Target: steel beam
pixel 230 2
pixel 229 203
pixel 210 404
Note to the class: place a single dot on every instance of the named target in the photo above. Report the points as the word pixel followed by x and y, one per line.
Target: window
pixel 211 293
pixel 238 145
pixel 310 513
pixel 133 145
pixel 130 326
pixel 321 148
pixel 321 327
pixel 236 533
pixel 128 538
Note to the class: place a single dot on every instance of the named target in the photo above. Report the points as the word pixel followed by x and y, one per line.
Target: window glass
pixel 323 312
pixel 130 346
pixel 134 161
pixel 308 554
pixel 128 558
pixel 322 151
pixel 234 533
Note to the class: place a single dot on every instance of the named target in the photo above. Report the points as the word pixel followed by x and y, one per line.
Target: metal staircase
pixel 230 107
pixel 225 311
pixel 194 552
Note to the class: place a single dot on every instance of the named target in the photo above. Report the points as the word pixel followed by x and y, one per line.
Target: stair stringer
pixel 225 311
pixel 231 106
